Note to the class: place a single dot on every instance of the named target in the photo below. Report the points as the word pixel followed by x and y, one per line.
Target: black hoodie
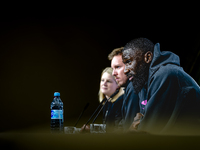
pixel 130 105
pixel 172 97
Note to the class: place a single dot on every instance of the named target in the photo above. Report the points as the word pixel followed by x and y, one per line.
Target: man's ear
pixel 148 56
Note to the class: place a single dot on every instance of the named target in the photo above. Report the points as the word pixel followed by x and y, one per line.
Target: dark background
pixel 64 48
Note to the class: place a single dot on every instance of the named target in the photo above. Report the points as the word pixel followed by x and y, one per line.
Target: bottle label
pixel 56 114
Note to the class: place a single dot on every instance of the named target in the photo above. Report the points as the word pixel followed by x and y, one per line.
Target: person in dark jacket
pixel 130 106
pixel 112 109
pixel 111 91
pixel 170 97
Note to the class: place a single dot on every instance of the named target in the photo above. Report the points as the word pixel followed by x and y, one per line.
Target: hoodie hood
pixel 162 58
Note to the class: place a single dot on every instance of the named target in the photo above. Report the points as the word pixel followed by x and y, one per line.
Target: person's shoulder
pixel 130 92
pixel 129 86
pixel 166 74
pixel 120 98
pixel 119 101
pixel 168 71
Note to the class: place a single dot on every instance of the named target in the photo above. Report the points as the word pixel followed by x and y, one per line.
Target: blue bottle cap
pixel 56 94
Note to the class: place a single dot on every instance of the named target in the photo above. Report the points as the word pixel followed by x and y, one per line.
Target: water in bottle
pixel 57 118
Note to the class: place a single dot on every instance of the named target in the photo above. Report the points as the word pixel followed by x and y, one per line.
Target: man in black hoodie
pixel 170 97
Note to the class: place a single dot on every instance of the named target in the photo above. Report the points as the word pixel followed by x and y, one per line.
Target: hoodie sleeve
pixel 162 94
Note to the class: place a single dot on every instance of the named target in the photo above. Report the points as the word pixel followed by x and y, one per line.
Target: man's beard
pixel 141 77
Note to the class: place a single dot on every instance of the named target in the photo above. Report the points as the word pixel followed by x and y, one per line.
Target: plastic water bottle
pixel 57 117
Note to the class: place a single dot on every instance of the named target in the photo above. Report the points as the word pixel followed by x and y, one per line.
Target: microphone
pixel 101 108
pixel 93 114
pixel 105 104
pixel 86 106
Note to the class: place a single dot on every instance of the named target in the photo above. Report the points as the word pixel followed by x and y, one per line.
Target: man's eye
pixel 117 66
pixel 127 61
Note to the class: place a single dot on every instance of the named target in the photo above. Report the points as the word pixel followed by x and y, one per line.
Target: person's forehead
pixel 117 59
pixel 127 53
pixel 107 76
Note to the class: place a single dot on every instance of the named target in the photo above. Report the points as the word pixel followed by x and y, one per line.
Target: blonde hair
pixel 108 70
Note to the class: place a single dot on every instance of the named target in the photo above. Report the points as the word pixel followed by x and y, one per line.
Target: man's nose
pixel 126 70
pixel 114 73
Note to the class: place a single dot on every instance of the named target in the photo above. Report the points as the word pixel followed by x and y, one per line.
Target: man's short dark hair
pixel 140 44
pixel 115 52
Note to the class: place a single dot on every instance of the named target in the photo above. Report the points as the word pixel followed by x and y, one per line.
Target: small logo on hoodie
pixel 144 103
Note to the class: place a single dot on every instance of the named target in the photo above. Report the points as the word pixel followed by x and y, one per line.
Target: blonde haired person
pixel 112 109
